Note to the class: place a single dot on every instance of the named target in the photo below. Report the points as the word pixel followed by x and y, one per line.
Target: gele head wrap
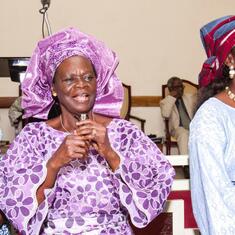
pixel 218 38
pixel 37 99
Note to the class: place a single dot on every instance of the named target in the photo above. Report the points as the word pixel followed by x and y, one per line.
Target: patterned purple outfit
pixel 88 198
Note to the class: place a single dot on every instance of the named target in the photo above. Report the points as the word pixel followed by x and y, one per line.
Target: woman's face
pixel 75 85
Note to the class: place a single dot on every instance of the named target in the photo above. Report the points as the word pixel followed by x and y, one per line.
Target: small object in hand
pixel 81 117
pixel 94 133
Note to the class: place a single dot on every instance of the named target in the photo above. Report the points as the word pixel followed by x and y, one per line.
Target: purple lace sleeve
pixel 144 177
pixel 22 171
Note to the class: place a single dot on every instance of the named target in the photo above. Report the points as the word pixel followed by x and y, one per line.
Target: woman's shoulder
pixel 34 127
pixel 210 123
pixel 38 130
pixel 124 128
pixel 119 122
pixel 212 112
pixel 211 106
pixel 118 125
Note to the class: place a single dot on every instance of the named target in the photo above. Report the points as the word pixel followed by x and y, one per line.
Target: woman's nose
pixel 80 82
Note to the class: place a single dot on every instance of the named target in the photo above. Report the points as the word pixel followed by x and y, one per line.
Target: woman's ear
pixel 230 60
pixel 230 63
pixel 53 92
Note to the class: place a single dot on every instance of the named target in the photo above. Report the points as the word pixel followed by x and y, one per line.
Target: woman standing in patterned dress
pixel 212 133
pixel 86 170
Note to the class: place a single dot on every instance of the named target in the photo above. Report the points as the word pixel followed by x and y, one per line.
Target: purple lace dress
pixel 88 198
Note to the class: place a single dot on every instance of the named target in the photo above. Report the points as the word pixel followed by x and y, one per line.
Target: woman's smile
pixel 82 98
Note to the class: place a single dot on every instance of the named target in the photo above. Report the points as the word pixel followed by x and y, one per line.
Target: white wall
pixel 154 39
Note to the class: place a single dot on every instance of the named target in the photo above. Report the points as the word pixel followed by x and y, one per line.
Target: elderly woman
pixel 212 133
pixel 86 170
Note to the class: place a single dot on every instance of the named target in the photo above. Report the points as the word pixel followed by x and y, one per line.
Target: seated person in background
pixel 15 115
pixel 178 108
pixel 86 170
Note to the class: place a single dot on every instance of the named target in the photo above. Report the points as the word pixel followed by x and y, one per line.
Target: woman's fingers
pixel 95 134
pixel 91 130
pixel 79 152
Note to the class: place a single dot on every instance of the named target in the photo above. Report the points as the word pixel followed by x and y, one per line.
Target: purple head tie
pixel 37 99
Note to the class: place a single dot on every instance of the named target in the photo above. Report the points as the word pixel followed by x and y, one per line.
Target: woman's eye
pixel 68 80
pixel 88 78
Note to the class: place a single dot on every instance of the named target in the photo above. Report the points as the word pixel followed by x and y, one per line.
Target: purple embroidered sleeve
pixel 22 171
pixel 144 177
